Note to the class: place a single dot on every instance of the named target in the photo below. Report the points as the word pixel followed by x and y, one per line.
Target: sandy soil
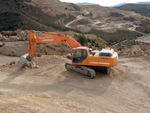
pixel 51 89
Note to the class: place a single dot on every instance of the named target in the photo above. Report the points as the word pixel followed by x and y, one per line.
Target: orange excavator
pixel 84 61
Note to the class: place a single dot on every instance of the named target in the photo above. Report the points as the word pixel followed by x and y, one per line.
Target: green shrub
pixel 89 40
pixel 114 14
pixel 82 40
pixel 96 45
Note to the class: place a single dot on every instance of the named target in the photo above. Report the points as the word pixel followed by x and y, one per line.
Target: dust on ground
pixel 50 88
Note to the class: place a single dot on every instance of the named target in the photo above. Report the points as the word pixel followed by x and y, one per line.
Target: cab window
pixel 79 55
pixel 84 54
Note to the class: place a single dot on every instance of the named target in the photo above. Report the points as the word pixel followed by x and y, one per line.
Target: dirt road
pixel 77 18
pixel 51 89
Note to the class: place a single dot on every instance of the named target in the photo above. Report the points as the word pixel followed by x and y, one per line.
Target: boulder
pixel 2 44
pixel 136 51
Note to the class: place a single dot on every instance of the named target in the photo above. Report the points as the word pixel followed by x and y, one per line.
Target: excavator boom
pixel 53 38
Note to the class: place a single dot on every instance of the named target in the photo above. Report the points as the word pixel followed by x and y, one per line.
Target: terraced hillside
pixel 111 24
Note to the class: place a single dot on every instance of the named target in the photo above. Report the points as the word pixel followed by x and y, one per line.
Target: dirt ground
pixel 145 38
pixel 51 89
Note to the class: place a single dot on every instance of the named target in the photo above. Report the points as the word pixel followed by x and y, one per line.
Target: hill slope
pixel 85 3
pixel 52 15
pixel 143 9
pixel 22 14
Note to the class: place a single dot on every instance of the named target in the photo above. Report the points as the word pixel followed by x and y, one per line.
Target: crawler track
pixel 87 72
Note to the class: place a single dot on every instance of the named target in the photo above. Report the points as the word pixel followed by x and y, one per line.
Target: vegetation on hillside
pixel 144 27
pixel 143 9
pixel 116 37
pixel 69 18
pixel 115 14
pixel 85 41
pixel 16 14
pixel 82 40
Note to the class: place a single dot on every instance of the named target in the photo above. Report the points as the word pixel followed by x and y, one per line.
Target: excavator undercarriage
pixel 88 72
pixel 85 71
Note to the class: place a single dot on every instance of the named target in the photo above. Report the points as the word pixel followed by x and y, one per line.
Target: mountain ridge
pixel 124 3
pixel 85 3
pixel 118 5
pixel 142 9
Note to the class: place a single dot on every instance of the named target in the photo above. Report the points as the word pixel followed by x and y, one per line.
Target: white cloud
pixel 106 2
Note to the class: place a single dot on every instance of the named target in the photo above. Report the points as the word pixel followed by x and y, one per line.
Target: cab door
pixel 79 55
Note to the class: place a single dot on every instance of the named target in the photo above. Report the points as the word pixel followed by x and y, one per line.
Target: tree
pixel 82 40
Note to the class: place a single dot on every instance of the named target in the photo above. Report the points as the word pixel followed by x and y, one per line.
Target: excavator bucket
pixel 23 60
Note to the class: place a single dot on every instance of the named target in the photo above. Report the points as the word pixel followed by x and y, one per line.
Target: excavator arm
pixel 53 38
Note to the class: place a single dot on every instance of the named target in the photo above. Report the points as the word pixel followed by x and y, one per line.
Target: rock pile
pixel 11 36
pixel 133 48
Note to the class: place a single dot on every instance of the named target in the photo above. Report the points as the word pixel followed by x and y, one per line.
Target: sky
pixel 105 2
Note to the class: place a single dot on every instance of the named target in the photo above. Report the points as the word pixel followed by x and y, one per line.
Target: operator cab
pixel 80 54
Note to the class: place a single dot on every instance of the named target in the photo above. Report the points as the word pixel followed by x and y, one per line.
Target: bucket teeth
pixel 23 60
